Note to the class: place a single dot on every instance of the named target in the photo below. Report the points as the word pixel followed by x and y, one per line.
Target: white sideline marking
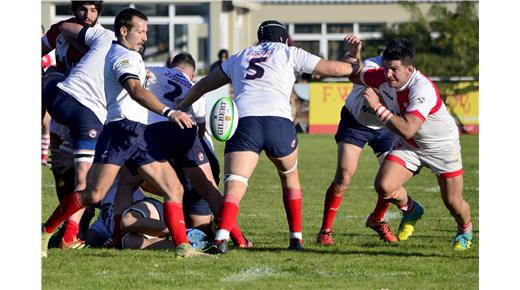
pixel 250 274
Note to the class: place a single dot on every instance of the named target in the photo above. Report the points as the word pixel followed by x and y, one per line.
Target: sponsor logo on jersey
pixel 124 62
pixel 92 133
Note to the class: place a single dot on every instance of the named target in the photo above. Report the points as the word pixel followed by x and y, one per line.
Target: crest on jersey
pixel 124 62
pixel 293 143
pixel 92 133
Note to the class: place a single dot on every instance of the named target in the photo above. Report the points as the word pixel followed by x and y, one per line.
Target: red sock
pixel 117 229
pixel 292 201
pixel 466 228
pixel 236 235
pixel 174 219
pixel 332 200
pixel 71 231
pixel 229 212
pixel 46 141
pixel 382 206
pixel 70 204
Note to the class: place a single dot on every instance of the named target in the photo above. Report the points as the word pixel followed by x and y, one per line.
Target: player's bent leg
pixel 451 192
pixel 388 184
pixel 82 164
pixel 100 179
pixel 348 157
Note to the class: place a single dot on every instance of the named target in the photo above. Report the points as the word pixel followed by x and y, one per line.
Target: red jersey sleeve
pixel 373 77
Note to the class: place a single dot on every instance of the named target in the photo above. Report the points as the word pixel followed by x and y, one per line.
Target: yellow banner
pixel 326 100
pixel 462 101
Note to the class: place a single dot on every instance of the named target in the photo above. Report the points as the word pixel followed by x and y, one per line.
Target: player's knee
pixel 384 188
pixel 131 241
pixel 91 197
pixel 343 180
pixel 127 220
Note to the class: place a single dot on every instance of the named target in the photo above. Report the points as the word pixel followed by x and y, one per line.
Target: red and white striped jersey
pixel 420 97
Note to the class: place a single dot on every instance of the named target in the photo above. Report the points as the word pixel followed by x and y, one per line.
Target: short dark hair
pixel 75 4
pixel 124 18
pixel 400 49
pixel 183 58
pixel 272 31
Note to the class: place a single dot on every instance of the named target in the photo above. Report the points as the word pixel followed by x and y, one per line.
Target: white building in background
pixel 204 27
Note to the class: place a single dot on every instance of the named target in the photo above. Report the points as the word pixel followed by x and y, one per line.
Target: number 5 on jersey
pixel 258 70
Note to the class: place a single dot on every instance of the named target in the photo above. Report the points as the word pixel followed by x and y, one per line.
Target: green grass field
pixel 358 260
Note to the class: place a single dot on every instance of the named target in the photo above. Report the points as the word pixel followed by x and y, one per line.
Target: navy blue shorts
pixel 181 145
pixel 352 132
pixel 83 124
pixel 275 135
pixel 123 143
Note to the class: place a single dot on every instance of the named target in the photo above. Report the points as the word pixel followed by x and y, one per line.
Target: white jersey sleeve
pixel 122 64
pixel 302 60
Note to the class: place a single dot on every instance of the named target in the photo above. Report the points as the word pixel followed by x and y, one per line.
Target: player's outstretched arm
pixel 214 80
pixel 146 99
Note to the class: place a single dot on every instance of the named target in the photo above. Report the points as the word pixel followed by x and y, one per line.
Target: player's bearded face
pixel 87 14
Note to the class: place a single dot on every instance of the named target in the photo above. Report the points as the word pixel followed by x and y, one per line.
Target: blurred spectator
pixel 223 54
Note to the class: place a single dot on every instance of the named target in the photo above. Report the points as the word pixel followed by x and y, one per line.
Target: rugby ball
pixel 223 120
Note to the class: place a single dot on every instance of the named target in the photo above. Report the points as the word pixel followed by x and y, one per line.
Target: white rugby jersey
pixel 85 81
pixel 420 97
pixel 356 104
pixel 263 77
pixel 170 85
pixel 122 64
